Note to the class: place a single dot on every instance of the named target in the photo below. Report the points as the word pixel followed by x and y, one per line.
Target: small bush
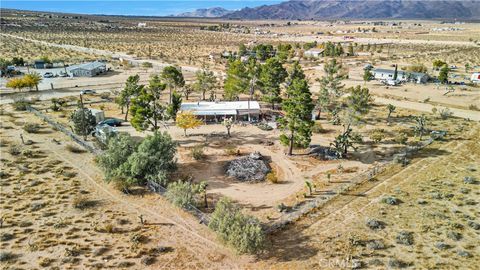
pixel 405 238
pixel 317 128
pixel 31 127
pixel 377 135
pixel 6 237
pixel 105 95
pixel 231 150
pixel 473 107
pixel 20 105
pixel 445 113
pixel 15 150
pixel 6 256
pixel 197 152
pixel 391 200
pixel 74 149
pixel 148 260
pixel 83 203
pixel 242 232
pixel 271 177
pixel 401 138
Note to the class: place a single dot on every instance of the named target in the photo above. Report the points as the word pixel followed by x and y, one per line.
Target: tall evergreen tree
pixel 147 109
pixel 272 75
pixel 236 82
pixel 297 121
pixel 173 78
pixel 205 81
pixel 131 89
pixel 331 87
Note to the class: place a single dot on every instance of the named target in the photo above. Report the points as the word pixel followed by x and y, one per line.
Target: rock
pixel 391 200
pixel 248 168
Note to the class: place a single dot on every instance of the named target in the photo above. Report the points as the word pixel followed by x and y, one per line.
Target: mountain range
pixel 206 12
pixel 351 9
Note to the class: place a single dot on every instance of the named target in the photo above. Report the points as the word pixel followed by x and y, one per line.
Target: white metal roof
pixel 219 107
pixel 89 66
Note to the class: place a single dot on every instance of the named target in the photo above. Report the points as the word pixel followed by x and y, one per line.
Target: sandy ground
pixel 37 210
pixel 438 208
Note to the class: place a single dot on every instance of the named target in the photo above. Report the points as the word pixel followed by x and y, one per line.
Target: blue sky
pixel 148 8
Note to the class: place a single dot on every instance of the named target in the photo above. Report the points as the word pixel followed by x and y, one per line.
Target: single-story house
pixel 387 74
pixel 475 77
pixel 217 111
pixel 88 69
pixel 316 53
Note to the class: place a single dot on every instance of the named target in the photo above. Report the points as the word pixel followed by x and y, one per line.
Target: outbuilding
pixel 315 53
pixel 217 111
pixel 88 69
pixel 475 77
pixel 388 74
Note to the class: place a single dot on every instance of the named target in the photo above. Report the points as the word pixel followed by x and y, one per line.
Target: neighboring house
pixel 315 53
pixel 475 77
pixel 387 74
pixel 88 69
pixel 217 111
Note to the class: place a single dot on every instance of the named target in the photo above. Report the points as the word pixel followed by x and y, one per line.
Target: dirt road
pixel 423 107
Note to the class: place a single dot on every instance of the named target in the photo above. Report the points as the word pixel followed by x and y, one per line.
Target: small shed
pixel 99 114
pixel 90 69
pixel 315 53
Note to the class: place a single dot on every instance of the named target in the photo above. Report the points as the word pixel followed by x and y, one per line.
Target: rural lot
pixel 210 143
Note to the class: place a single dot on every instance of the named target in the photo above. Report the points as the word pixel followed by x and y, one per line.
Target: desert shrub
pixel 445 113
pixel 45 262
pixel 396 263
pixel 264 127
pixel 6 237
pixel 74 149
pixel 105 95
pixel 231 150
pixel 197 152
pixel 317 128
pixel 6 256
pixel 152 160
pixel 138 238
pixel 271 177
pixel 473 107
pixel 242 232
pixel 15 150
pixel 374 224
pixel 31 127
pixel 377 135
pixel 20 105
pixel 404 238
pixel 183 194
pixel 401 138
pixel 147 260
pixel 84 121
pixel 83 203
pixel 391 200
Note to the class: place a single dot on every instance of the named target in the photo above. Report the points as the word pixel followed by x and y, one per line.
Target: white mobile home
pixel 217 111
pixel 387 74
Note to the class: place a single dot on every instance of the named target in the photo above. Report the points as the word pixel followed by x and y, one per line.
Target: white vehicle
pixel 391 82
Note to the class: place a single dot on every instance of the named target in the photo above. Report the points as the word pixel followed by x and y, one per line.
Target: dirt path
pixel 423 107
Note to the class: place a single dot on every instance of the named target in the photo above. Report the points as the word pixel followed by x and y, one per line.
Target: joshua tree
pixel 391 109
pixel 420 125
pixel 228 123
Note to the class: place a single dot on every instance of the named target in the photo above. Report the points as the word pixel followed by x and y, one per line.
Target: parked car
pixel 87 91
pixel 111 122
pixel 48 75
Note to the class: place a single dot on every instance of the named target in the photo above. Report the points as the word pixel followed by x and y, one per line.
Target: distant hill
pixel 206 12
pixel 366 9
